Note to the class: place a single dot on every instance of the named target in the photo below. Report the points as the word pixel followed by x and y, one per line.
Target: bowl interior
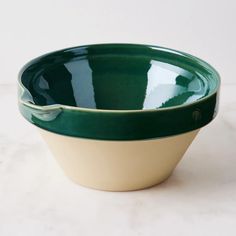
pixel 117 78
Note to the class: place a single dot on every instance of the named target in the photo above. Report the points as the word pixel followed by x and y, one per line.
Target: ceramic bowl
pixel 118 117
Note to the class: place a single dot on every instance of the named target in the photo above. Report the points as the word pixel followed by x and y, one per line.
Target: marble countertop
pixel 37 199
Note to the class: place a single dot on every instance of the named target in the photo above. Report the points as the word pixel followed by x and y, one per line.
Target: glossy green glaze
pixel 118 92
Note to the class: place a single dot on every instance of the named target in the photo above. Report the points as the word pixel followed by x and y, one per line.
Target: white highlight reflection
pixel 81 82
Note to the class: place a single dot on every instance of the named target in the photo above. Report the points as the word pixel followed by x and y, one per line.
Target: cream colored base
pixel 118 165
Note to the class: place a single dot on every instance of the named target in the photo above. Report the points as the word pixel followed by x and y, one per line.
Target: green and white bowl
pixel 118 116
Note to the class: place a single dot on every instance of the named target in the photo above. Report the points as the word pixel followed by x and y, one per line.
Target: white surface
pixel 35 196
pixel 205 28
pixel 37 199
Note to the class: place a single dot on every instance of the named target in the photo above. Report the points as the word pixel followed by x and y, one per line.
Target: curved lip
pixel 165 49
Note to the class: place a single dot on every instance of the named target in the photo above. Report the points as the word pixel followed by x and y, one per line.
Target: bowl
pixel 118 117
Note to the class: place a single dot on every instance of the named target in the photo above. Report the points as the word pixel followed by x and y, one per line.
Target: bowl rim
pixel 194 59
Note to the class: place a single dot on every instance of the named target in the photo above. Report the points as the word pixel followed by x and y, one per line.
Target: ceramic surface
pixel 118 92
pixel 118 165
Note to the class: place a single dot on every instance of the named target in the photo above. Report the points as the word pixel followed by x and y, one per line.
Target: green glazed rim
pixel 117 124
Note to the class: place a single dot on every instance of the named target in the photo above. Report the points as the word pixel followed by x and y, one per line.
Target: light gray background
pixel 37 199
pixel 205 28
